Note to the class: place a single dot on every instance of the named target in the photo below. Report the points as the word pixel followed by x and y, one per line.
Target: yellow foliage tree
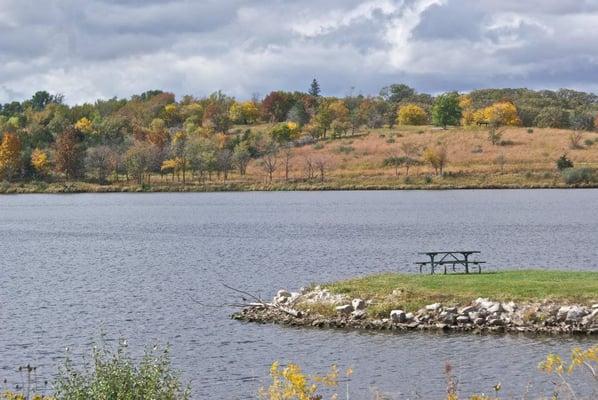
pixel 84 125
pixel 467 111
pixel 245 113
pixel 412 114
pixel 502 113
pixel 10 155
pixel 437 157
pixel 39 161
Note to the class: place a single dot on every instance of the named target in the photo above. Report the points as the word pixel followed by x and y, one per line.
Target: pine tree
pixel 314 89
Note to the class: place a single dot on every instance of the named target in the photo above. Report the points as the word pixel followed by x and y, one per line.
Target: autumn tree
pixel 437 157
pixel 39 162
pixel 10 156
pixel 69 154
pixel 276 106
pixel 446 110
pixel 141 159
pixel 100 162
pixel 241 157
pixel 412 114
pixel 285 132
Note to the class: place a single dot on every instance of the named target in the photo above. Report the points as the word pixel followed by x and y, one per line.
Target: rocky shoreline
pixel 481 315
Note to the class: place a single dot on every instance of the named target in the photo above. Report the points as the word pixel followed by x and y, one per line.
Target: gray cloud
pixel 105 48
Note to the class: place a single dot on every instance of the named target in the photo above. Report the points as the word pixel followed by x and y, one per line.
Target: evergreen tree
pixel 314 89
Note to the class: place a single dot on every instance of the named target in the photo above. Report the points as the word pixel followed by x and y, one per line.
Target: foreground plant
pixel 291 383
pixel 583 361
pixel 115 375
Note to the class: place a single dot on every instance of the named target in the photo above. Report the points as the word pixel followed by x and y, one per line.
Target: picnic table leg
pixel 466 263
pixel 432 265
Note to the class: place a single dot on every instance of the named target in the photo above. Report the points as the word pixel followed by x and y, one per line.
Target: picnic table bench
pixel 450 258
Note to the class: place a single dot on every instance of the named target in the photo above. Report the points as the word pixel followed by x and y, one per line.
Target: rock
pixel 441 326
pixel 304 290
pixel 398 316
pixel 595 307
pixel 358 304
pixel 509 307
pixel 451 310
pixel 358 314
pixel 473 315
pixel 479 321
pixel 409 316
pixel 483 303
pixel 467 310
pixel 575 314
pixel 462 319
pixel 283 293
pixel 344 310
pixel 495 322
pixel 562 313
pixel 433 307
pixel 494 308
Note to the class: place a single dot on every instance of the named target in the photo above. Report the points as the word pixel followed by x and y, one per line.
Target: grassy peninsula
pixel 411 292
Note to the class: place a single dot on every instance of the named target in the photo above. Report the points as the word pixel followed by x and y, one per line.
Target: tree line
pixel 45 139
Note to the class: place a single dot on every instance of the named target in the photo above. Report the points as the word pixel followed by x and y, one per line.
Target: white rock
pixel 509 307
pixel 433 307
pixel 345 310
pixel 398 316
pixel 495 308
pixel 463 319
pixel 595 307
pixel 409 316
pixel 575 314
pixel 467 310
pixel 283 293
pixel 358 314
pixel 358 304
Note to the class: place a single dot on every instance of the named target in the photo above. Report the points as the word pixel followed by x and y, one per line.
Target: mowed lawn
pixel 414 291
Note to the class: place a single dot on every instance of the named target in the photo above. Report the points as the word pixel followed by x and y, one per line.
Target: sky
pixel 90 49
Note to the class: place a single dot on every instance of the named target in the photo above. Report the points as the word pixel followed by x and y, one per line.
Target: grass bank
pixel 411 292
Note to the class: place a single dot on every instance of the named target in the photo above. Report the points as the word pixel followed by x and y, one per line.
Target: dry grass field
pixel 524 159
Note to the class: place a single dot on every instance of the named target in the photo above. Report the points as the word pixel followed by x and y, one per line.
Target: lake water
pixel 75 266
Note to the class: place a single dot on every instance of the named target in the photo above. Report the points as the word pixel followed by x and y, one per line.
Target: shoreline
pixel 531 302
pixel 563 319
pixel 83 187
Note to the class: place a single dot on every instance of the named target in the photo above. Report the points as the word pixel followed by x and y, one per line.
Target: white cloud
pixel 105 48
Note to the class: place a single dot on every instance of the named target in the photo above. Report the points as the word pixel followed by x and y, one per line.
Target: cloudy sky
pixel 88 49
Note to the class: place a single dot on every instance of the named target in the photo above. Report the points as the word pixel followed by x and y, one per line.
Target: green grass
pixel 411 292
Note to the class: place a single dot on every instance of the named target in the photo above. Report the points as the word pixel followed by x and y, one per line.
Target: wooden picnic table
pixel 454 258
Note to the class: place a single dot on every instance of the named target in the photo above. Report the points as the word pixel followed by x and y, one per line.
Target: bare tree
pixel 411 150
pixel 270 163
pixel 287 155
pixel 224 160
pixel 309 168
pixel 501 160
pixel 575 140
pixel 320 165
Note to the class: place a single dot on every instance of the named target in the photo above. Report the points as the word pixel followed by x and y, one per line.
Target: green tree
pixel 314 88
pixel 446 110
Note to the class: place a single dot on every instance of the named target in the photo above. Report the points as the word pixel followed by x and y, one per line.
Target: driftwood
pixel 256 303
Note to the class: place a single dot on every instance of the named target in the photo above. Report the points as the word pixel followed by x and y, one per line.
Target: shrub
pixel 318 146
pixel 428 179
pixel 530 130
pixel 563 163
pixel 390 141
pixel 588 142
pixel 344 149
pixel 573 176
pixel 114 375
pixel 552 117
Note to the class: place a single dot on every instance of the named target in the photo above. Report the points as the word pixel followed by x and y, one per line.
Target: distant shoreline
pixel 84 187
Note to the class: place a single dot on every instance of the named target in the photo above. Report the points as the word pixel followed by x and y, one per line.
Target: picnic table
pixel 450 258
